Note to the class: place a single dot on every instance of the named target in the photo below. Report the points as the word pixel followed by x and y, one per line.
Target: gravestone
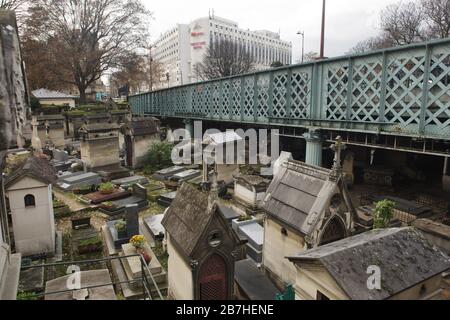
pixel 168 173
pixel 132 218
pixel 130 181
pixel 154 226
pixel 186 175
pixel 61 156
pixel 79 180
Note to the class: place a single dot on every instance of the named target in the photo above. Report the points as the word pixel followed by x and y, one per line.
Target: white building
pixel 182 47
pixel 29 193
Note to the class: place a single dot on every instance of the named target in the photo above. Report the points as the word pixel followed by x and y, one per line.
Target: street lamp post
pixel 151 66
pixel 322 34
pixel 302 33
pixel 168 79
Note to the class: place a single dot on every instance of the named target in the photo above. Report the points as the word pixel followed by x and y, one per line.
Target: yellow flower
pixel 138 241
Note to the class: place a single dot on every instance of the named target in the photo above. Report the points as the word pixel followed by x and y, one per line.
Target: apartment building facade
pixel 181 48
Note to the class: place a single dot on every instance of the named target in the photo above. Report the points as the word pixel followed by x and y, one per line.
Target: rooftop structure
pixel 405 258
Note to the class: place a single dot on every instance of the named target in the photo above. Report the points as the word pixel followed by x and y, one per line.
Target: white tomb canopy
pixel 221 138
pixel 284 158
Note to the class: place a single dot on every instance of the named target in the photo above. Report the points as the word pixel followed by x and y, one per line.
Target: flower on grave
pixel 138 241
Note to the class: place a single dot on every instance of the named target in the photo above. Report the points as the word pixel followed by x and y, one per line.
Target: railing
pixel 402 91
pixel 150 289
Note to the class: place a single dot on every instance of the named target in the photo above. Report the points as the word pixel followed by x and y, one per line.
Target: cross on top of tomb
pixel 338 147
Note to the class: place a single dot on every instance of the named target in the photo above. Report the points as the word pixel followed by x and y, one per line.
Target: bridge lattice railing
pixel 402 90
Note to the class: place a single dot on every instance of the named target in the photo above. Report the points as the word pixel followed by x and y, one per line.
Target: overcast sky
pixel 348 21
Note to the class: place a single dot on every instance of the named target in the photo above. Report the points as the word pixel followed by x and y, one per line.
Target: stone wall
pixel 181 285
pixel 141 148
pixel 13 93
pixel 276 248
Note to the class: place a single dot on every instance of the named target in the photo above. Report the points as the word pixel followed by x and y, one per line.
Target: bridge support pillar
pixel 189 126
pixel 313 148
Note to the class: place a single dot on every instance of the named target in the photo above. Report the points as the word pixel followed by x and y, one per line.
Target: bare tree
pixel 374 43
pixel 402 23
pixel 437 14
pixel 223 59
pixel 405 23
pixel 12 4
pixel 91 36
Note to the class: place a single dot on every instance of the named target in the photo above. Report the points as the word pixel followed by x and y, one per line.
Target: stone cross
pixel 338 147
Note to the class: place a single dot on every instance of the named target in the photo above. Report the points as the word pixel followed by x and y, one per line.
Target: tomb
pixel 99 283
pixel 48 131
pixel 100 150
pixel 226 166
pixel 60 160
pixel 78 180
pixel 282 160
pixel 185 176
pixel 202 247
pixel 128 271
pixel 140 134
pixel 411 268
pixel 132 227
pixel 166 199
pixel 252 284
pixel 254 233
pixel 99 197
pixel 250 190
pixel 138 197
pixel 74 123
pixel 130 181
pixel 306 206
pixel 155 227
pixel 167 173
pixel 29 193
pixel 229 213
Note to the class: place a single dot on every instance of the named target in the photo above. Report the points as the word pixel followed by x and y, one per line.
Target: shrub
pixel 384 212
pixel 27 296
pixel 159 156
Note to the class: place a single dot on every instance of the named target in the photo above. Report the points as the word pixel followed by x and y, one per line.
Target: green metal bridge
pixel 401 91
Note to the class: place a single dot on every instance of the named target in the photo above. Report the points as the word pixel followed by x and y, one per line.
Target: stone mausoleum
pixel 140 134
pixel 202 248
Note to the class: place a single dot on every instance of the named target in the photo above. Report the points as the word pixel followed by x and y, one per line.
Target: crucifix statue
pixel 338 147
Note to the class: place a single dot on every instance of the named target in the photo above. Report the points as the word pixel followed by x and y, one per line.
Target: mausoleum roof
pixel 49 94
pixel 299 194
pixel 188 217
pixel 143 126
pixel 403 255
pixel 35 167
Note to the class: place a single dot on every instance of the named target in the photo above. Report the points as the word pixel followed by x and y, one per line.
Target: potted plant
pixel 108 205
pixel 121 227
pixel 106 188
pixel 139 243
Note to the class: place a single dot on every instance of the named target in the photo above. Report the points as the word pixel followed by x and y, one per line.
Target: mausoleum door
pixel 213 284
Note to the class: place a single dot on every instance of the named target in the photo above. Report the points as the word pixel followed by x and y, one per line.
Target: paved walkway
pixel 70 200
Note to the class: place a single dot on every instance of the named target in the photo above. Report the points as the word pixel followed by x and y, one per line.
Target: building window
pixel 30 201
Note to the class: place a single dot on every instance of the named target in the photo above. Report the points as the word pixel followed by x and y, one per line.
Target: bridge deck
pixel 402 91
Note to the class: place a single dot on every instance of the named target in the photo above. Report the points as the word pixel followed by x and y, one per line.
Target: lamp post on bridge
pixel 151 66
pixel 302 33
pixel 322 34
